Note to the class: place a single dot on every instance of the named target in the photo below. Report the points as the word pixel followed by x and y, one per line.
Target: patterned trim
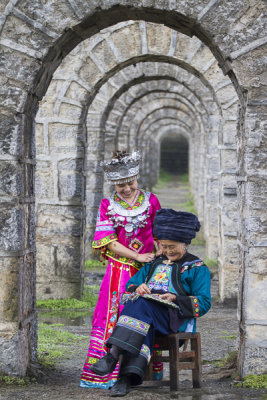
pixel 123 260
pixel 192 264
pixel 104 228
pixel 103 242
pixel 137 203
pixel 195 305
pixel 145 352
pixel 120 207
pixel 133 324
pixel 136 245
pixel 153 296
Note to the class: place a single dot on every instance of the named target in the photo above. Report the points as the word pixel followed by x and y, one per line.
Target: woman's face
pixel 173 250
pixel 127 190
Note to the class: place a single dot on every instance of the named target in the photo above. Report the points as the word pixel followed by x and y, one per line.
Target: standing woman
pixel 124 236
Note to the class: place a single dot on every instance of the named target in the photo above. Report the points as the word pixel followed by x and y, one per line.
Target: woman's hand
pixel 142 289
pixel 146 257
pixel 168 296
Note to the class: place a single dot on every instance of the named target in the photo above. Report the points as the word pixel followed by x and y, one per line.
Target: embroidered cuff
pixel 188 306
pixel 104 241
pixel 132 288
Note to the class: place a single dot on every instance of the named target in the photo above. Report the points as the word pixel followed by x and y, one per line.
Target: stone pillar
pixel 252 195
pixel 18 331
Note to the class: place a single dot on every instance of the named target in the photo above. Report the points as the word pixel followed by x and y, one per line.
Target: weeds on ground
pixel 229 361
pixel 228 336
pixel 253 382
pixel 53 343
pixel 88 300
pixel 15 381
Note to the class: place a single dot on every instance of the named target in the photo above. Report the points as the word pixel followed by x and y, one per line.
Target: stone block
pixel 255 357
pixel 71 180
pixel 64 138
pixel 20 66
pixel 89 72
pixel 11 179
pixel 58 221
pixel 10 133
pixel 70 111
pixel 55 16
pixel 11 227
pixel 256 304
pixel 25 35
pixel 44 180
pixel 9 291
pixel 105 56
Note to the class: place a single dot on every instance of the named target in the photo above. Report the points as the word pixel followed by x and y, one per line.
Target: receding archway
pixel 174 155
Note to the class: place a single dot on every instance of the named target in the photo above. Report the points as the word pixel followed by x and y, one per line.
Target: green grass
pixel 183 178
pixel 254 382
pixel 94 264
pixel 89 300
pixel 164 178
pixel 53 343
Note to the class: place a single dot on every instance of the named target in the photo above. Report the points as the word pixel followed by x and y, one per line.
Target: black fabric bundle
pixel 180 226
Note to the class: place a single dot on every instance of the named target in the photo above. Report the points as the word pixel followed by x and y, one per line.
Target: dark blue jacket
pixel 191 281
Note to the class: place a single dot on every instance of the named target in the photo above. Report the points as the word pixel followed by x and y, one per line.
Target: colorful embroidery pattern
pixel 123 260
pixel 133 324
pixel 103 242
pixel 125 205
pixel 195 306
pixel 161 278
pixel 136 245
pixel 145 352
pixel 193 264
pixel 113 313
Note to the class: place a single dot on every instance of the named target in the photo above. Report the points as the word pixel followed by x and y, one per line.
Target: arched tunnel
pixel 81 79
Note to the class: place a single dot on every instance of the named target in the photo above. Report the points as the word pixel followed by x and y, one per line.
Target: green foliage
pixel 89 296
pixel 253 382
pixel 15 380
pixel 210 262
pixel 53 343
pixel 94 264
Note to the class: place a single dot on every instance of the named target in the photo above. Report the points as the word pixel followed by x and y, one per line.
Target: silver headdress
pixel 123 168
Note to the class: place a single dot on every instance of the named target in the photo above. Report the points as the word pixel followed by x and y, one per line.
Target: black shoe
pixel 121 387
pixel 105 365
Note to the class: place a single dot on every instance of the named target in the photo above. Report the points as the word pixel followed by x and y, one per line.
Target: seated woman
pixel 165 296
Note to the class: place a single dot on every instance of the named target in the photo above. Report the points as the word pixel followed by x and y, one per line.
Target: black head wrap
pixel 180 226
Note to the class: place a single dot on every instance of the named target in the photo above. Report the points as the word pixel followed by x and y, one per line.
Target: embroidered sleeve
pixel 105 231
pixel 199 300
pixel 155 206
pixel 138 278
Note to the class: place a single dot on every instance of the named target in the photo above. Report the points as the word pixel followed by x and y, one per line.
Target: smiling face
pixel 173 250
pixel 127 190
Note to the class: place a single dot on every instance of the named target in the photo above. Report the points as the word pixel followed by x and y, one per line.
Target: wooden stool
pixel 178 358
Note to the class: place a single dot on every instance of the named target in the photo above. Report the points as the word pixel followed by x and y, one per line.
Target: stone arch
pixel 28 62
